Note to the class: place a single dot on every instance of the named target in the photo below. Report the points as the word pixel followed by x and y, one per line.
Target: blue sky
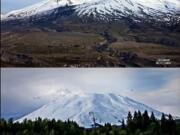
pixel 9 5
pixel 24 90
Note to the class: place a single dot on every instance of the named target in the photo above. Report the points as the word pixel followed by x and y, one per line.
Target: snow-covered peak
pixel 100 8
pixel 106 108
pixel 38 8
pixel 43 6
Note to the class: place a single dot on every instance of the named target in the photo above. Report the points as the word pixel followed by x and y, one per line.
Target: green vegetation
pixel 137 124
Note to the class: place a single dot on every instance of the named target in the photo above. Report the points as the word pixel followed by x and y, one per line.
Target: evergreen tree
pixel 130 123
pixel 145 121
pixel 171 125
pixel 135 120
pixel 129 118
pixel 163 123
pixel 10 124
pixel 122 124
pixel 53 127
pixel 152 118
pixel 10 121
pixel 139 122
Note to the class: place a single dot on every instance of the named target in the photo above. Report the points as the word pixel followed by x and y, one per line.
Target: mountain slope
pixel 82 107
pixel 107 10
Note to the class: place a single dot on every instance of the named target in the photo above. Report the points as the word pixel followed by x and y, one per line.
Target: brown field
pixel 85 46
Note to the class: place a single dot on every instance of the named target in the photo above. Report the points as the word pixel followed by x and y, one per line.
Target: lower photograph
pixel 90 101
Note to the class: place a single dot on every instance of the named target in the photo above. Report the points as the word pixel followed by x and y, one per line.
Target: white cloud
pixel 165 99
pixel 25 87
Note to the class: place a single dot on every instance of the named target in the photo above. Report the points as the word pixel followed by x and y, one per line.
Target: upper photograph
pixel 90 33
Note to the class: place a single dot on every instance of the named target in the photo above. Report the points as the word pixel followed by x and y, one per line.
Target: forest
pixel 135 124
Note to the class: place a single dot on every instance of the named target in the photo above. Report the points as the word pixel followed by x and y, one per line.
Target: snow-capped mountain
pixel 104 9
pixel 83 107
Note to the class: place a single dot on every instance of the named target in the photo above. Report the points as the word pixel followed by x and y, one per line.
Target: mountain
pixel 83 107
pixel 106 10
pixel 92 33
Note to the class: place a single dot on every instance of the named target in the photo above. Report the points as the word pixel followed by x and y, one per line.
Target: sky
pixel 26 89
pixel 9 5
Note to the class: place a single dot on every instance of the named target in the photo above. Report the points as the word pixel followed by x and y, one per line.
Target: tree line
pixel 135 124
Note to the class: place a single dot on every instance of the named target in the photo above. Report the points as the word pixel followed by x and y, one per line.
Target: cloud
pixel 165 99
pixel 29 88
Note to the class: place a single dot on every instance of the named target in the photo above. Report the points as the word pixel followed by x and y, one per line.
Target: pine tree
pixel 10 123
pixel 152 118
pixel 129 118
pixel 122 124
pixel 145 121
pixel 130 123
pixel 135 116
pixel 135 120
pixel 139 122
pixel 163 123
pixel 171 125
pixel 53 127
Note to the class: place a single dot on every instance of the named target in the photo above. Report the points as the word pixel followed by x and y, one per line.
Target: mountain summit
pixel 107 10
pixel 85 108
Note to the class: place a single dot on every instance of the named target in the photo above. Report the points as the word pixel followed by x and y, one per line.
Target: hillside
pixel 94 33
